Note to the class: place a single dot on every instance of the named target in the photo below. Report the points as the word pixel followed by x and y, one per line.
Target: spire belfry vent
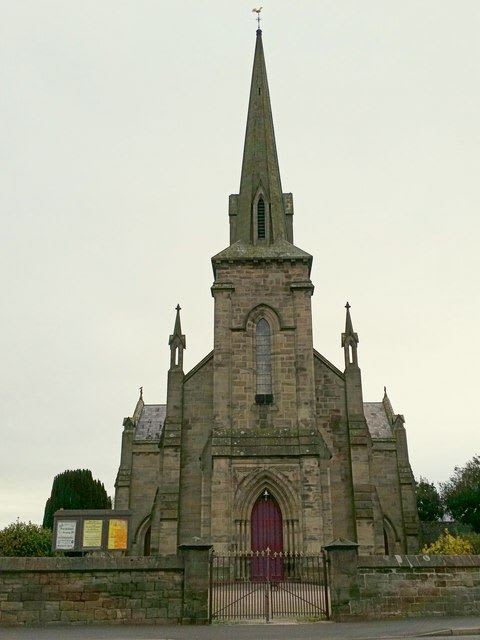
pixel 261 219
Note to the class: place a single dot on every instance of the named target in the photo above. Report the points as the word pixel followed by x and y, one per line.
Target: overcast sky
pixel 121 128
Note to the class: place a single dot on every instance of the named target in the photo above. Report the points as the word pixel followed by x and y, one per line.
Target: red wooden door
pixel 267 533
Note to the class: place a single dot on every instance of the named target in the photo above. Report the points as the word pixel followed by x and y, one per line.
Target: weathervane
pixel 258 11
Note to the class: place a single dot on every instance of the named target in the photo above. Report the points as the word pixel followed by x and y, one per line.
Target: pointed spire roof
pixel 260 168
pixel 348 320
pixel 177 329
pixel 260 175
pixel 349 332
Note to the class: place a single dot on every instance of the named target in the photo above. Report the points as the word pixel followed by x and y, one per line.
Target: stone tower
pixel 264 423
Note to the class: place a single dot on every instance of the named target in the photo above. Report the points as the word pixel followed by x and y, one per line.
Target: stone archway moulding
pixel 247 493
pixel 274 317
pixel 251 487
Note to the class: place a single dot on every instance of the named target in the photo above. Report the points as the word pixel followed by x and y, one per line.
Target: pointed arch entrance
pixel 267 534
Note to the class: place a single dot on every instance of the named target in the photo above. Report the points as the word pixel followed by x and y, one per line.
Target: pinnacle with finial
pixel 348 321
pixel 177 329
pixel 348 326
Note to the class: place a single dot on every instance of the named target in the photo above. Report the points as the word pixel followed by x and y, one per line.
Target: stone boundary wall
pixel 396 586
pixel 93 590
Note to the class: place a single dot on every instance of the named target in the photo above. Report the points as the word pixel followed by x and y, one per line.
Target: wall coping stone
pixel 341 543
pixel 92 563
pixel 414 561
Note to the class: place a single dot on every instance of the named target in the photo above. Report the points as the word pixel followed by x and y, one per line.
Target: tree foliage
pixel 474 540
pixel 25 539
pixel 431 531
pixel 449 545
pixel 75 490
pixel 461 494
pixel 429 503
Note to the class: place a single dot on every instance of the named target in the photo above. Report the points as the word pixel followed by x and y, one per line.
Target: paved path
pixel 413 628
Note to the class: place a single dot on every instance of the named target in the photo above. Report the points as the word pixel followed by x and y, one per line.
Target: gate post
pixel 342 558
pixel 196 582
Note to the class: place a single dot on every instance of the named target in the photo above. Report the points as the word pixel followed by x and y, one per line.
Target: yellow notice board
pixel 117 534
pixel 92 533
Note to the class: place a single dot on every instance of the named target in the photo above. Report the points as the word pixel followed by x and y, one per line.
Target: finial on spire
pixel 258 18
pixel 177 330
pixel 141 393
pixel 348 321
pixel 349 339
pixel 177 334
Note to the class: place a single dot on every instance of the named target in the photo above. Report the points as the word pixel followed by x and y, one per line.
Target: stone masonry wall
pixel 42 591
pixel 401 585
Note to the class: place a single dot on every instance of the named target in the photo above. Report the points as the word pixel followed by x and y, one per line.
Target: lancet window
pixel 263 344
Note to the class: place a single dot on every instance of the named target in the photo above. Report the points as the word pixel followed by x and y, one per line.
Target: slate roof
pixel 377 420
pixel 150 425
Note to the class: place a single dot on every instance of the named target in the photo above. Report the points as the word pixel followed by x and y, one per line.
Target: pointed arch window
pixel 263 348
pixel 261 219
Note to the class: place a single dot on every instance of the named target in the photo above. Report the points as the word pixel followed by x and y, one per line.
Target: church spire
pixel 261 226
pixel 261 210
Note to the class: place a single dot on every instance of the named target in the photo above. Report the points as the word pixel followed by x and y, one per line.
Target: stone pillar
pixel 166 512
pixel 342 558
pixel 124 476
pixel 196 582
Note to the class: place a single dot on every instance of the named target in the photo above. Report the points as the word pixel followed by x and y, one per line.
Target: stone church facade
pixel 265 442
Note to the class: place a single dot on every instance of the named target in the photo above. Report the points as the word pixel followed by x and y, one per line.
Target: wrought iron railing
pixel 267 584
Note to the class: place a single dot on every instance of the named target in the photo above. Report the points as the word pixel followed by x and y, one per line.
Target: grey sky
pixel 122 128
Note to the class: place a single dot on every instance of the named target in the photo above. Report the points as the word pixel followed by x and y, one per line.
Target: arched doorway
pixel 267 534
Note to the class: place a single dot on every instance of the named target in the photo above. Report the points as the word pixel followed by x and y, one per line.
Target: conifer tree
pixel 75 490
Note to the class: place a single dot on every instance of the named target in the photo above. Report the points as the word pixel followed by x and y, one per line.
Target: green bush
pixel 448 545
pixel 25 539
pixel 431 531
pixel 474 540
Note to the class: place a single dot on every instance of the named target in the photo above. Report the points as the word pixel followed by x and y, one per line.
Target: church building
pixel 265 443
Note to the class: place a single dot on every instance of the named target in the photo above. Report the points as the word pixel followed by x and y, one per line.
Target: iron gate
pixel 267 585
